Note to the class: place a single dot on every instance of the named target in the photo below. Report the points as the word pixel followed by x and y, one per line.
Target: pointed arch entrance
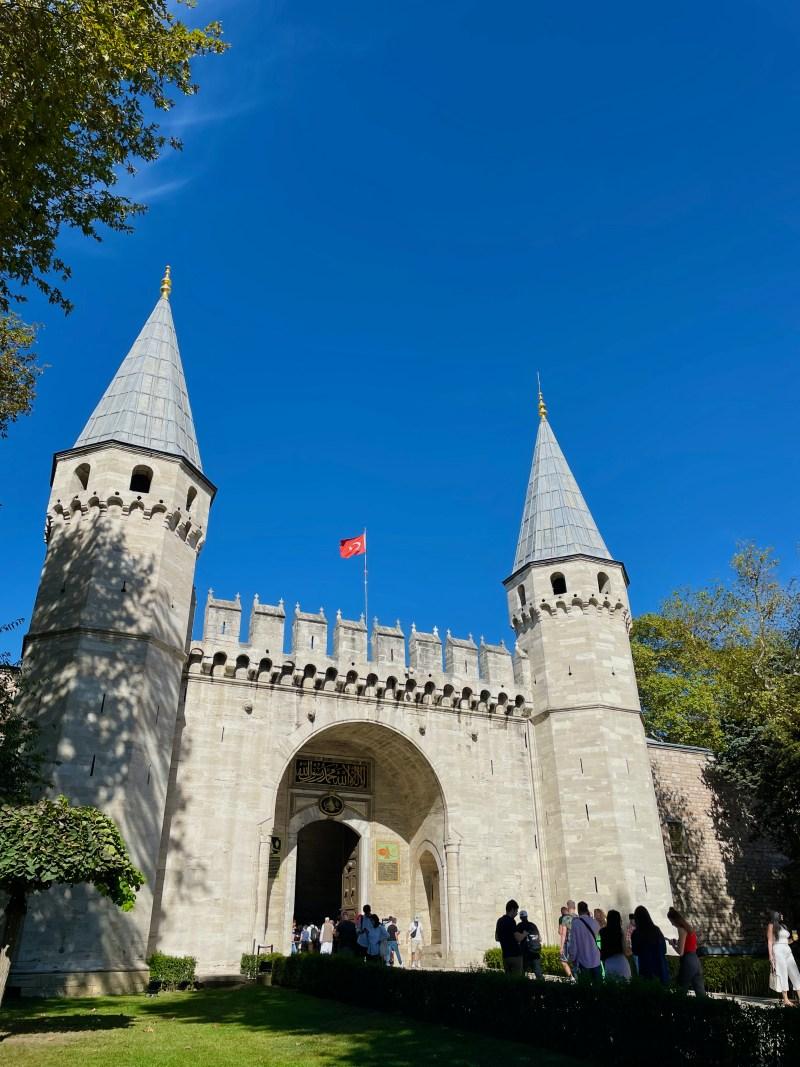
pixel 370 780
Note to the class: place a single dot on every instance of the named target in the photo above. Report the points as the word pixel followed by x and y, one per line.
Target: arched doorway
pixel 389 796
pixel 327 870
pixel 431 897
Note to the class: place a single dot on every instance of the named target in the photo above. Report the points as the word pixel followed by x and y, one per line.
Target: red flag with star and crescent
pixel 353 546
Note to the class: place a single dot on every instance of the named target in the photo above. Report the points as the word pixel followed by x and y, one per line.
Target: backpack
pixel 533 944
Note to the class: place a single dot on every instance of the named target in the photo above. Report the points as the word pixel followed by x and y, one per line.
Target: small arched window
pixel 81 476
pixel 141 479
pixel 190 498
pixel 521 595
pixel 603 583
pixel 558 582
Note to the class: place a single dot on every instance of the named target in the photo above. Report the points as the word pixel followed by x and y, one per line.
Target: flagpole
pixel 366 600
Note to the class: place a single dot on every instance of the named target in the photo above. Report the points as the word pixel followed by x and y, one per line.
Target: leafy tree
pixel 18 369
pixel 720 667
pixel 51 843
pixel 21 761
pixel 80 86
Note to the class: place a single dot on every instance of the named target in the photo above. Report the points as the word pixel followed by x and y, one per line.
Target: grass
pixel 249 1025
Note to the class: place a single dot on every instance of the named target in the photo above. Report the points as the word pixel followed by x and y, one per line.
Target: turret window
pixel 521 595
pixel 559 583
pixel 190 498
pixel 81 477
pixel 141 479
pixel 603 582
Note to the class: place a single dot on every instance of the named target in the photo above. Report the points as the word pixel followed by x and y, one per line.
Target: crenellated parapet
pixel 472 677
pixel 525 617
pixel 66 512
pixel 371 682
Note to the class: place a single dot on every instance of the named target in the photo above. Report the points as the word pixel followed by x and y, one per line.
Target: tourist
pixel 531 946
pixel 510 939
pixel 376 940
pixel 305 939
pixel 415 942
pixel 295 937
pixel 313 933
pixel 564 924
pixel 346 934
pixel 363 923
pixel 628 944
pixel 612 948
pixel 600 918
pixel 783 966
pixel 583 951
pixel 690 972
pixel 326 938
pixel 392 946
pixel 649 947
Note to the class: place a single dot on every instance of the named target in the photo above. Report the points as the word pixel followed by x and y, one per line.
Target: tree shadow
pixel 723 874
pixel 373 1038
pixel 65 1024
pixel 102 676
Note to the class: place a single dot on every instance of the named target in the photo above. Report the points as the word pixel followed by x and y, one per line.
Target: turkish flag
pixel 353 546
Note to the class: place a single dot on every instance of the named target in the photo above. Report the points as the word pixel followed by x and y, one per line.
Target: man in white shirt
pixel 415 939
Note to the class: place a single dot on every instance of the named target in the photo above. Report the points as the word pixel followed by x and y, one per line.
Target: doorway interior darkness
pixel 327 870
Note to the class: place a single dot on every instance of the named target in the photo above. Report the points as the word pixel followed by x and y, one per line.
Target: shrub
pixel 493 959
pixel 606 1023
pixel 743 975
pixel 253 964
pixel 173 972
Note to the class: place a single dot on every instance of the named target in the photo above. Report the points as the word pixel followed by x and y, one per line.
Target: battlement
pixel 471 677
pixel 527 616
pixel 65 512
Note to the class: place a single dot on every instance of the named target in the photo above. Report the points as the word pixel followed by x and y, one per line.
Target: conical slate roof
pixel 556 520
pixel 146 403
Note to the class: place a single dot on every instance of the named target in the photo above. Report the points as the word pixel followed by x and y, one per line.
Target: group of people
pixel 596 945
pixel 365 936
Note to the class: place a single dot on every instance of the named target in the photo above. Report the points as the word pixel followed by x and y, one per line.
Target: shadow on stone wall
pixel 725 877
pixel 102 676
pixel 755 869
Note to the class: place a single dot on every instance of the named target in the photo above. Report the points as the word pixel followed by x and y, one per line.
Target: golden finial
pixel 166 284
pixel 542 405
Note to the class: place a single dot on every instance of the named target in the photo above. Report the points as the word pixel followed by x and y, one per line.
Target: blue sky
pixel 386 218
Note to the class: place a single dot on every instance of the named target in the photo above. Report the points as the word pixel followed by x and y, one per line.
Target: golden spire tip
pixel 542 405
pixel 166 284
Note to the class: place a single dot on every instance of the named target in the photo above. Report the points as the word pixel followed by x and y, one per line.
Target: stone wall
pixel 723 878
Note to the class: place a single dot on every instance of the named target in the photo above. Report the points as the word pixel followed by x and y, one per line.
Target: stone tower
pixel 568 604
pixel 103 659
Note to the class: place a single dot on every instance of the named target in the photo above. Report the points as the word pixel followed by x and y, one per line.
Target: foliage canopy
pixel 81 86
pixel 51 843
pixel 720 667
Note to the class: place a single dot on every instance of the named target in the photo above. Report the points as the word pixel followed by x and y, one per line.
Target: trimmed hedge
pixel 743 975
pixel 253 964
pixel 172 972
pixel 620 1023
pixel 493 959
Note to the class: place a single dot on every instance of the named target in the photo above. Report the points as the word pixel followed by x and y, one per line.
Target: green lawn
pixel 254 1025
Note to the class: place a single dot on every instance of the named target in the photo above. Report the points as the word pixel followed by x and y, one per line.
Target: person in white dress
pixel 415 940
pixel 782 963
